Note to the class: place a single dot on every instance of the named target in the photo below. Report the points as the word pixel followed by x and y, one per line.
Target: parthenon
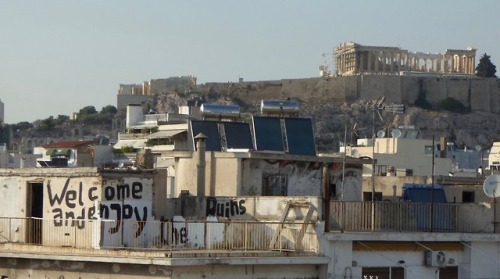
pixel 353 59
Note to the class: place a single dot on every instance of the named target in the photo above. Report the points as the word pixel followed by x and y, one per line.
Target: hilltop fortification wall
pixel 479 94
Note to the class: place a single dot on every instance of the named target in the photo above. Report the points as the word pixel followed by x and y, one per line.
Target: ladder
pixel 286 210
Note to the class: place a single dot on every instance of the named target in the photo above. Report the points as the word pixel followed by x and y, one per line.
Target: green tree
pixel 61 119
pixel 485 68
pixel 48 123
pixel 453 105
pixel 24 125
pixel 88 110
pixel 109 109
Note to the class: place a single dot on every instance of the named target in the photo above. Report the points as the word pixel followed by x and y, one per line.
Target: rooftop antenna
pixel 491 187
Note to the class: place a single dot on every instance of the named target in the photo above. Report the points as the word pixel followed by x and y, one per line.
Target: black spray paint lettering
pixel 123 192
pixel 71 198
pixel 179 235
pixel 125 212
pixel 225 208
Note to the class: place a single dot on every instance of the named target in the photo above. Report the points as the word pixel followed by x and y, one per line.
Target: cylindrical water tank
pixel 224 111
pixel 279 107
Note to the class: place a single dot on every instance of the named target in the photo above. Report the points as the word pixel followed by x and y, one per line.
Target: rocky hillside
pixel 333 117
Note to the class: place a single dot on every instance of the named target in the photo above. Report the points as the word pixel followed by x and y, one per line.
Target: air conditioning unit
pixel 435 258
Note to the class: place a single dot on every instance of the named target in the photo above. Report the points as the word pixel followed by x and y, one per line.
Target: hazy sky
pixel 59 56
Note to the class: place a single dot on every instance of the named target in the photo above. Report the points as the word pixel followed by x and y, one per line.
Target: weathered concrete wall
pixel 244 207
pixel 231 176
pixel 303 178
pixel 65 208
pixel 391 186
pixel 73 269
pixel 33 268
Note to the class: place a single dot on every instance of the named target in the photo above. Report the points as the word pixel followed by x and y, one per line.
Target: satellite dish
pixel 491 186
pixel 478 148
pixel 380 133
pixel 396 133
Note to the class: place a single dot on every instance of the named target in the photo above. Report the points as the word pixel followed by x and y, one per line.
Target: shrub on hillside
pixel 453 105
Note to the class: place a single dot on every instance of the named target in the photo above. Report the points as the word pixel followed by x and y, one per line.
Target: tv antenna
pixel 491 187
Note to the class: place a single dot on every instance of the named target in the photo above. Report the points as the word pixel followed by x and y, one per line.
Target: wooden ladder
pixel 300 236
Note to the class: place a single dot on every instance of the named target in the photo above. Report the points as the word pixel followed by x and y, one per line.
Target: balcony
pixel 177 239
pixel 410 217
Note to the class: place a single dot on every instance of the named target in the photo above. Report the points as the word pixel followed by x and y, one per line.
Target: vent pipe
pixel 201 164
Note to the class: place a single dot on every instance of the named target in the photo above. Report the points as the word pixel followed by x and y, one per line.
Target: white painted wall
pixel 484 261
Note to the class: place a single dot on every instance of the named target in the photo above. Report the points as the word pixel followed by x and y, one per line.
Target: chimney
pixel 200 174
pixel 443 146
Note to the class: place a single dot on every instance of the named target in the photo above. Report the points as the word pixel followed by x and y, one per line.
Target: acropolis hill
pixel 343 98
pixel 363 74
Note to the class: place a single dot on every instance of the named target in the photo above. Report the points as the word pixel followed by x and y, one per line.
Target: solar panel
pixel 238 135
pixel 209 129
pixel 268 135
pixel 300 136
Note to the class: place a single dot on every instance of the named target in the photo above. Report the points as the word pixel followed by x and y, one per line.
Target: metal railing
pixel 410 217
pixel 160 235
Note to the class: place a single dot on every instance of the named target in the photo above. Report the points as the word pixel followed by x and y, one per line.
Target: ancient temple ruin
pixel 353 59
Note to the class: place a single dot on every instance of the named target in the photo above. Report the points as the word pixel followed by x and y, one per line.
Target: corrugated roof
pixel 68 144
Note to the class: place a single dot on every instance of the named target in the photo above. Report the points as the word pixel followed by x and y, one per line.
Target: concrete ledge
pixel 410 236
pixel 165 258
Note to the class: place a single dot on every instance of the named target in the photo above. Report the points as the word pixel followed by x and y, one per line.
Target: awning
pixel 138 143
pixel 165 134
pixel 143 126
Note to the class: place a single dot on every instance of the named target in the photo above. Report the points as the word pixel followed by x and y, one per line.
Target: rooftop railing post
pixel 432 189
pixel 10 229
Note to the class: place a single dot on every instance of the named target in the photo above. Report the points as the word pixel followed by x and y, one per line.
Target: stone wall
pixel 480 94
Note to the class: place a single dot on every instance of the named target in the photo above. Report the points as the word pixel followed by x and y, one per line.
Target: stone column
pixel 361 62
pixel 377 55
pixel 391 60
pixel 369 64
pixel 473 64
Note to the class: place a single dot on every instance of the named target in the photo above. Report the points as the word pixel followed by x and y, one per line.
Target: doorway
pixel 35 212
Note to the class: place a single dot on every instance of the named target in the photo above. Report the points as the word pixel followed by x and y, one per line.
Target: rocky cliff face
pixel 335 123
pixel 337 116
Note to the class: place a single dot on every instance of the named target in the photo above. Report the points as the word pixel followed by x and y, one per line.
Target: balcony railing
pixel 299 238
pixel 410 217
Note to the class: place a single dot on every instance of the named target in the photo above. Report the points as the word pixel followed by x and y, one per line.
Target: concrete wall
pixel 72 269
pixel 391 186
pixel 70 200
pixel 230 176
pixel 122 101
pixel 483 255
pixel 404 154
pixel 303 178
pixel 244 207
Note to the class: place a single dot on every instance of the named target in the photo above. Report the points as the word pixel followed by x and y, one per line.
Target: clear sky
pixel 59 56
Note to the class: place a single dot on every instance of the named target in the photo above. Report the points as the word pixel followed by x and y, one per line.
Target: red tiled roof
pixel 68 144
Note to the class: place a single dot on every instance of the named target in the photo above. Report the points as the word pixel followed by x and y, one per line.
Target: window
pixel 467 196
pixel 333 190
pixel 449 272
pixel 367 196
pixel 428 150
pixel 274 184
pixel 383 273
